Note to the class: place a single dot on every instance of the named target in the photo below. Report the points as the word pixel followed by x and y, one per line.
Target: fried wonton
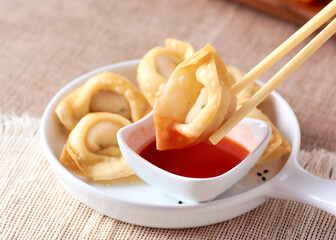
pixel 92 148
pixel 277 145
pixel 104 92
pixel 196 101
pixel 157 65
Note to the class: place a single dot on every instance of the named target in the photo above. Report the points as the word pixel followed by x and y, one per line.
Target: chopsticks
pixel 318 20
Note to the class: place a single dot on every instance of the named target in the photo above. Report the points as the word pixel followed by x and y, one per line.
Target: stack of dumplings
pixel 92 114
pixel 191 95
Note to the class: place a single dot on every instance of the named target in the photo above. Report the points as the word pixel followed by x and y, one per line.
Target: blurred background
pixel 46 44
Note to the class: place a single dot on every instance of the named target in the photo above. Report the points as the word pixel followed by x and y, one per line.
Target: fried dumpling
pixel 277 145
pixel 104 92
pixel 196 101
pixel 92 148
pixel 158 64
pixel 235 75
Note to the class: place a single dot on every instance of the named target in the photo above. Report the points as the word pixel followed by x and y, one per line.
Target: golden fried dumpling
pixel 235 75
pixel 277 145
pixel 196 101
pixel 92 148
pixel 104 92
pixel 158 64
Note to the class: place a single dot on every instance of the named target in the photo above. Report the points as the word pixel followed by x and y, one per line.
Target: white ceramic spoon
pixel 251 133
pixel 133 201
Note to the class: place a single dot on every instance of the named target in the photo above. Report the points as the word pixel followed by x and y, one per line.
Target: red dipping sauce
pixel 203 160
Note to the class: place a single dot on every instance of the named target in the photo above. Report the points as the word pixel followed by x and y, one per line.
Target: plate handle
pixel 297 184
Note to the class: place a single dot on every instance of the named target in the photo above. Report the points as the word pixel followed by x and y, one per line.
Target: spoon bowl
pixel 133 201
pixel 253 134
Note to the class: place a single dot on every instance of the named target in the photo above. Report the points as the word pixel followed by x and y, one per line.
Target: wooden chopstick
pixel 314 23
pixel 281 75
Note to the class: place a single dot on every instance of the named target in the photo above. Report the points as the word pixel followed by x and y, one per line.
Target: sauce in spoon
pixel 203 160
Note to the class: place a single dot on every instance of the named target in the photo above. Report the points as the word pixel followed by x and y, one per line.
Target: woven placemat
pixel 34 205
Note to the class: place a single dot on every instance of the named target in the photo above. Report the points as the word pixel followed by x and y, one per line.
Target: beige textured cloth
pixel 46 44
pixel 34 205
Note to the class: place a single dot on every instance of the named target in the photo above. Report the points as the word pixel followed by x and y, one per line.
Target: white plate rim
pixel 61 172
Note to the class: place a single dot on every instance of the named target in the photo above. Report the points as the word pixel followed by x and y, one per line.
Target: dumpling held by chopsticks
pixel 196 101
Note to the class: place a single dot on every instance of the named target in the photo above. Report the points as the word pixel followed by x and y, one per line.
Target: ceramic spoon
pixel 251 133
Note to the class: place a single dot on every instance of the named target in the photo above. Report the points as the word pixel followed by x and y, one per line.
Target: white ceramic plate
pixel 132 200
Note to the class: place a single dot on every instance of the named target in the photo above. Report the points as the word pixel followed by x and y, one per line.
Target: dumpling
pixel 196 101
pixel 92 148
pixel 277 145
pixel 158 64
pixel 104 92
pixel 235 75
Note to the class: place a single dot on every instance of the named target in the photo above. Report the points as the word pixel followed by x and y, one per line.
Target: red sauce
pixel 203 160
pixel 173 139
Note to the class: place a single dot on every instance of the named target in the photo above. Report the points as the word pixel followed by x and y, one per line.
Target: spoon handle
pixel 299 185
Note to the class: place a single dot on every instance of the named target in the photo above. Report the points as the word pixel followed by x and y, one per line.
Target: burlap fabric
pixel 34 205
pixel 46 44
